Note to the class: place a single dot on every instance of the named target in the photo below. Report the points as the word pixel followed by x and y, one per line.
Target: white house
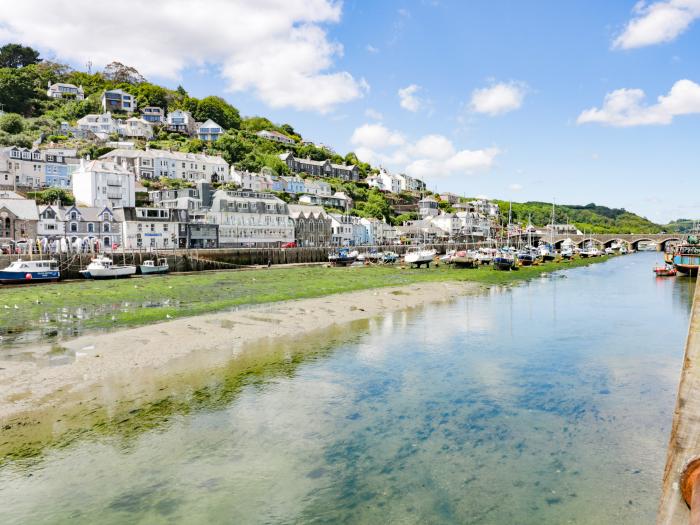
pixel 379 232
pixel 103 183
pixel 276 136
pixel 251 181
pixel 181 121
pixel 317 187
pixel 101 125
pixel 409 183
pixel 250 219
pixel 61 90
pixel 385 181
pixel 428 207
pixel 209 131
pixel 118 100
pixel 338 200
pixel 136 128
pixel 348 230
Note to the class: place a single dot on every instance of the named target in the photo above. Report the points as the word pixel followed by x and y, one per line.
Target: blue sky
pixel 556 58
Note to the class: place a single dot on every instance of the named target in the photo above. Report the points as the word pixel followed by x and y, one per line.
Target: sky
pixel 578 101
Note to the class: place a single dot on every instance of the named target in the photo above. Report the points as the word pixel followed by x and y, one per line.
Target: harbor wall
pixel 211 259
pixel 684 443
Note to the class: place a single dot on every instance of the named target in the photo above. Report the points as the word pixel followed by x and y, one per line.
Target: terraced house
pixel 156 163
pixel 34 168
pixel 81 222
pixel 321 168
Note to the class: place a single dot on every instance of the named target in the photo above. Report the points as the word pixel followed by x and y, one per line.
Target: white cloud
pixel 515 187
pixel 408 98
pixel 429 157
pixel 373 114
pixel 276 49
pixel 371 49
pixel 657 23
pixel 626 107
pixel 499 98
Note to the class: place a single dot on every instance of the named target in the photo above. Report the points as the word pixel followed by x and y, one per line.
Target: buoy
pixel 28 276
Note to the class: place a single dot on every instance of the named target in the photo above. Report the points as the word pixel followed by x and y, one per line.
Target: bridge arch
pixel 609 242
pixel 635 242
pixel 663 244
pixel 597 242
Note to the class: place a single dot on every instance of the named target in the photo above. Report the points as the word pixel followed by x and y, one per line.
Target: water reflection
pixel 555 396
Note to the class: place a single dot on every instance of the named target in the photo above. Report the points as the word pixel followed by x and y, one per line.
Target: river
pixel 543 403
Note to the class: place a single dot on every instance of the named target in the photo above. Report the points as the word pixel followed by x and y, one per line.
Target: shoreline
pixel 116 371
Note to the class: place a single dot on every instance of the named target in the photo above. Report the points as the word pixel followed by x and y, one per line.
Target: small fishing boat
pixel 504 261
pixel 546 252
pixel 447 258
pixel 526 257
pixel 465 259
pixel 30 271
pixel 665 271
pixel 104 268
pixel 154 267
pixel 485 255
pixel 420 256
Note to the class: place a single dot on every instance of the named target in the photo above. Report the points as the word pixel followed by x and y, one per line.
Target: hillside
pixel 589 218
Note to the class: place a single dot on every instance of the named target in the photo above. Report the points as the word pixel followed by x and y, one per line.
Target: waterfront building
pixel 118 100
pixel 379 232
pixel 348 230
pixel 52 222
pixel 276 136
pixel 34 168
pixel 181 121
pixel 312 225
pixel 338 200
pixel 202 235
pixel 18 217
pixel 83 222
pixel 156 163
pixel 154 115
pixel 420 232
pixel 321 168
pixel 60 90
pixel 474 226
pixel 250 219
pixel 152 228
pixel 102 183
pixel 181 198
pixel 448 223
pixel 209 131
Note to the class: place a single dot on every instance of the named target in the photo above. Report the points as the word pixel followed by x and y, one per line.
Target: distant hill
pixel 682 225
pixel 590 218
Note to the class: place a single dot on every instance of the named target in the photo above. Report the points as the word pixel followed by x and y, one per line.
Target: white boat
pixel 152 267
pixel 447 258
pixel 30 271
pixel 104 268
pixel 420 256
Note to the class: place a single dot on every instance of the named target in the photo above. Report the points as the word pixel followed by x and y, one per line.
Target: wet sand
pixel 103 368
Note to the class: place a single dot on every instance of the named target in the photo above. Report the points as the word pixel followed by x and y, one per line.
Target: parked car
pixel 289 245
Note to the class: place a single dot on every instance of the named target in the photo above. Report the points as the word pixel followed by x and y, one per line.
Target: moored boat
pixel 390 257
pixel 342 257
pixel 104 268
pixel 665 271
pixel 504 261
pixel 30 271
pixel 154 267
pixel 465 259
pixel 686 258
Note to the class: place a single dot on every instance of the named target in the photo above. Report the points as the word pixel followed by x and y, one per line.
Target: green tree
pixel 53 195
pixel 122 74
pixel 255 124
pixel 17 55
pixel 233 147
pixel 148 94
pixel 16 91
pixel 220 111
pixel 12 123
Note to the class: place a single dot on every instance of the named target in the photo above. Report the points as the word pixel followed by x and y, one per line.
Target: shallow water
pixel 548 402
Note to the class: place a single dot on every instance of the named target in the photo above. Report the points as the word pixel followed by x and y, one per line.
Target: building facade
pixel 209 131
pixel 154 115
pixel 102 183
pixel 321 168
pixel 19 218
pixel 118 100
pixel 156 163
pixel 67 91
pixel 34 168
pixel 251 181
pixel 152 228
pixel 312 225
pixel 181 121
pixel 276 136
pixel 250 219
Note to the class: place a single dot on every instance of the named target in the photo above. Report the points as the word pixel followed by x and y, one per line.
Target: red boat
pixel 665 271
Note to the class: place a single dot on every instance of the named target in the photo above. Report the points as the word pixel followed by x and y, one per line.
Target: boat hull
pixel 109 273
pixel 687 264
pixel 21 277
pixel 464 261
pixel 153 270
pixel 503 264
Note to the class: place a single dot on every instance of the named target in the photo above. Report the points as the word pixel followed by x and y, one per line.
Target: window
pixel 91 228
pixel 105 227
pixel 73 227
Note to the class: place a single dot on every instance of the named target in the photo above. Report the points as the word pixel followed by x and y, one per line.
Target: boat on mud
pixel 342 257
pixel 420 256
pixel 504 261
pixel 20 271
pixel 465 259
pixel 154 267
pixel 104 268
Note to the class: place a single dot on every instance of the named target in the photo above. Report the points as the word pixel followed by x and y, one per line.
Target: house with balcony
pixel 60 90
pixel 101 183
pixel 154 115
pixel 152 228
pixel 118 100
pixel 102 126
pixel 317 187
pixel 209 131
pixel 138 128
pixel 251 181
pixel 181 121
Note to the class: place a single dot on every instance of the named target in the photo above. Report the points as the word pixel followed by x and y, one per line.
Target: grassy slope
pixel 63 309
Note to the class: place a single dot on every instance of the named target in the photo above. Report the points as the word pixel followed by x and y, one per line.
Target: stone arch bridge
pixel 661 240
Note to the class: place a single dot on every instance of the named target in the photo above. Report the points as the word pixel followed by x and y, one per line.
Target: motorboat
pixel 104 268
pixel 486 255
pixel 686 258
pixel 447 258
pixel 504 261
pixel 342 257
pixel 546 252
pixel 665 271
pixel 527 256
pixel 567 252
pixel 30 271
pixel 154 267
pixel 390 257
pixel 420 256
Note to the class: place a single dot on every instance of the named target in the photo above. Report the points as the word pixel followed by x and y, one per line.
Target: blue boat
pixel 686 258
pixel 30 271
